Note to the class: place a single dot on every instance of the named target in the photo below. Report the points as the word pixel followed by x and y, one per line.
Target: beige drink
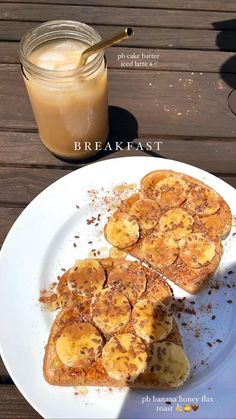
pixel 69 102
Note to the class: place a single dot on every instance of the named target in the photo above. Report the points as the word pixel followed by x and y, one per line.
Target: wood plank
pixel 3 370
pixel 144 37
pixel 165 103
pixel 217 157
pixel 231 180
pixel 211 155
pixel 30 151
pixel 19 185
pixel 9 52
pixel 13 405
pixel 216 5
pixel 177 60
pixel 7 217
pixel 119 16
pixel 176 104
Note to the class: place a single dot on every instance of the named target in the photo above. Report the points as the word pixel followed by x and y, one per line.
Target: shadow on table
pixel 144 403
pixel 123 125
pixel 226 41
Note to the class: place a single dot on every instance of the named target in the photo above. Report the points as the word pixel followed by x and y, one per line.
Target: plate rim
pixel 38 197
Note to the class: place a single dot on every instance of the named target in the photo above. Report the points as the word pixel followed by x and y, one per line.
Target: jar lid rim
pixel 41 72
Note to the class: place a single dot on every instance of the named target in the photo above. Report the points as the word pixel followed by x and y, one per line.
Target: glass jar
pixel 70 105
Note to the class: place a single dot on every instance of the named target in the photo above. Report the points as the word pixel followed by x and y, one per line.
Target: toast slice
pixel 123 334
pixel 175 224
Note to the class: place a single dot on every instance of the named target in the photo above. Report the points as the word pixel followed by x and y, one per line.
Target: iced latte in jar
pixel 69 100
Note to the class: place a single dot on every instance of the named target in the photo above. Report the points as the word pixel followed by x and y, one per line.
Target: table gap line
pixel 121 26
pixel 44 166
pixel 174 70
pixel 12 204
pixel 122 6
pixel 130 46
pixel 116 68
pixel 134 25
pixel 19 129
pixel 141 136
pixel 183 138
pixel 80 165
pixel 6 380
pixel 170 71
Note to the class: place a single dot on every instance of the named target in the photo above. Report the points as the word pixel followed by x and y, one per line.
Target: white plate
pixel 41 243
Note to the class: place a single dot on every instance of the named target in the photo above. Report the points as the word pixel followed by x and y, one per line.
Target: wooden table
pixel 179 98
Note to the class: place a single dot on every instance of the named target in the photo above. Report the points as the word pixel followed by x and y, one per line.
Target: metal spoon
pixel 120 36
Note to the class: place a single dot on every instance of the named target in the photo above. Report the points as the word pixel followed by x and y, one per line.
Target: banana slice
pixel 149 182
pixel 124 357
pixel 171 192
pixel 158 291
pixel 151 321
pixel 197 250
pixel 202 201
pixel 216 225
pixel 86 278
pixel 79 344
pixel 129 278
pixel 128 202
pixel 147 212
pixel 65 296
pixel 168 364
pixel 176 222
pixel 116 253
pixel 122 230
pixel 110 311
pixel 160 250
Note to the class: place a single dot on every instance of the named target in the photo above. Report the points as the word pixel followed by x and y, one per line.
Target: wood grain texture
pixel 231 180
pixel 30 151
pixel 217 5
pixel 20 186
pixel 7 217
pixel 170 103
pixel 3 371
pixel 164 104
pixel 173 60
pixel 144 37
pixel 13 405
pixel 119 16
